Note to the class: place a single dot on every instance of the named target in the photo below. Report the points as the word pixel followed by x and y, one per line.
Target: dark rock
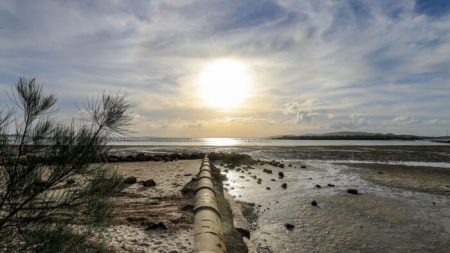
pixel 352 191
pixel 154 226
pixel 281 165
pixel 113 159
pixel 130 180
pixel 331 185
pixel 244 232
pixel 281 174
pixel 268 188
pixel 314 203
pixel 318 186
pixel 267 171
pixel 149 183
pixel 284 186
pixel 259 181
pixel 290 165
pixel 434 203
pixel 289 226
pixel 380 172
pixel 273 180
pixel 303 166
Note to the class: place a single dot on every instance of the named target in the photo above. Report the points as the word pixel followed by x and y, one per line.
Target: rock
pixel 268 188
pixel 70 181
pixel 380 172
pixel 244 232
pixel 259 181
pixel 289 226
pixel 113 159
pixel 281 174
pixel 318 186
pixel 331 185
pixel 284 186
pixel 434 203
pixel 303 166
pixel 290 165
pixel 314 203
pixel 154 226
pixel 352 191
pixel 149 183
pixel 267 171
pixel 130 180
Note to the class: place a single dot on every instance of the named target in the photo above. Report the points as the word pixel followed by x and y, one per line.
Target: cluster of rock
pixel 142 157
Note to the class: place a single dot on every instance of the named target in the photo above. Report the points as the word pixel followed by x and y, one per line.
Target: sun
pixel 224 84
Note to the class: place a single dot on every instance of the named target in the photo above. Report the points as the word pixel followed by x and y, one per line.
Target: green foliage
pixel 39 211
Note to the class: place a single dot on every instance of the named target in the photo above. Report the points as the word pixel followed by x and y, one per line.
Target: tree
pixel 52 195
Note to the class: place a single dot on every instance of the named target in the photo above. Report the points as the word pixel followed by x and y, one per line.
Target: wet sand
pixel 415 178
pixel 381 218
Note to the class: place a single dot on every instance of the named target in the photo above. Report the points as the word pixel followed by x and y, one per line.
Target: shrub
pixel 39 212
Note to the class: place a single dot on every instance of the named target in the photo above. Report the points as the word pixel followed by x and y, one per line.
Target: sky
pixel 315 66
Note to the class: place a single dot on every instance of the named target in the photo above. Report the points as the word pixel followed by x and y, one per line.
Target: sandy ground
pixel 383 217
pixel 139 208
pixel 416 178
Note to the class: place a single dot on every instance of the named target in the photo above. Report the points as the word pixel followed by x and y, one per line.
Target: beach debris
pixel 380 172
pixel 318 186
pixel 154 226
pixel 352 191
pixel 303 166
pixel 434 203
pixel 187 174
pixel 280 174
pixel 290 165
pixel 289 226
pixel 149 183
pixel 268 188
pixel 272 179
pixel 331 185
pixel 259 181
pixel 267 171
pixel 284 186
pixel 130 180
pixel 314 203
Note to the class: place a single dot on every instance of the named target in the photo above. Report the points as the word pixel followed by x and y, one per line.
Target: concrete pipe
pixel 204 174
pixel 208 230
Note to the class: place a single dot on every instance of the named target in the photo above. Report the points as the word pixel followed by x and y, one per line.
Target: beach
pixel 286 203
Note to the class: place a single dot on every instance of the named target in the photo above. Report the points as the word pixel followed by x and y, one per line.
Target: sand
pixel 139 208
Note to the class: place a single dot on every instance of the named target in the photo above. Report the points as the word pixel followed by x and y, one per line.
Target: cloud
pixel 353 122
pixel 304 112
pixel 380 59
pixel 403 120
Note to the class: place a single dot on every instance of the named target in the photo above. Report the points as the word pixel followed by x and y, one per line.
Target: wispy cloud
pixel 379 59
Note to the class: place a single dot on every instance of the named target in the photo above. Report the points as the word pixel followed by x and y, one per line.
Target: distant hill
pixel 351 136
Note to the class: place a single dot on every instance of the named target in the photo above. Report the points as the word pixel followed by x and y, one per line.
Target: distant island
pixel 359 136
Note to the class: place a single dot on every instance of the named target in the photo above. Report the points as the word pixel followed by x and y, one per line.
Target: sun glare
pixel 224 84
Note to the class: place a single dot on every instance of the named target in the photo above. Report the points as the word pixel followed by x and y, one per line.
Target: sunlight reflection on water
pixel 221 141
